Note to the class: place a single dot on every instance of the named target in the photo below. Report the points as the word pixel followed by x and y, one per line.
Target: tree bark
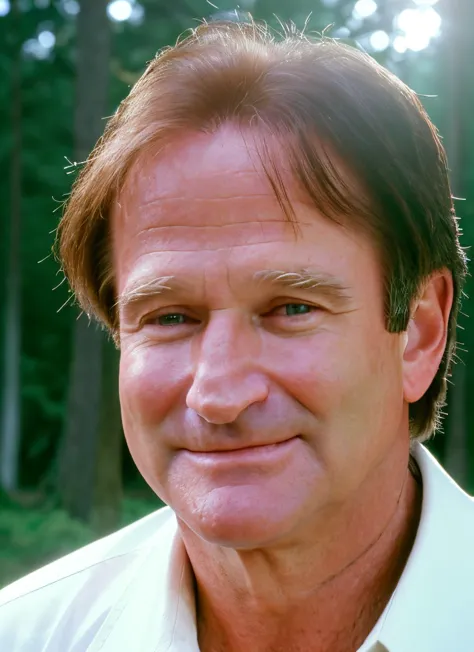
pixel 10 427
pixel 90 463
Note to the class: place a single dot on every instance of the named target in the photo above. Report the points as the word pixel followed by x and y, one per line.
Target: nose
pixel 227 379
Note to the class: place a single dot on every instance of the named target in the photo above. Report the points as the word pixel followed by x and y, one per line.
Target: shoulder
pixel 76 592
pixel 444 502
pixel 125 542
pixel 432 604
pixel 446 530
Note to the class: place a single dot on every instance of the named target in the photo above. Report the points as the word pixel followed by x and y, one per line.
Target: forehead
pixel 200 180
pixel 178 169
pixel 208 194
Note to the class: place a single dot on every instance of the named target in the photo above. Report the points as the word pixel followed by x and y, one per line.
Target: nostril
pixel 214 409
pixel 223 402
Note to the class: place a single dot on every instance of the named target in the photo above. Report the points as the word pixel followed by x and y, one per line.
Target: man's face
pixel 259 386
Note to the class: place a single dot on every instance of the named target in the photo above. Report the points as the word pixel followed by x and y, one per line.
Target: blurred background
pixel 66 477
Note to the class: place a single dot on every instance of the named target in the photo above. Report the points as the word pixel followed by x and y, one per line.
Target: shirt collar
pixel 431 604
pixel 156 611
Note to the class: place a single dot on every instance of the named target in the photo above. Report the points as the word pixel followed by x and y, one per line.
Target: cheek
pixel 349 382
pixel 373 392
pixel 318 371
pixel 152 384
pixel 152 381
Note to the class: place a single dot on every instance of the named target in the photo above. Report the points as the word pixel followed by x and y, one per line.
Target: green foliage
pixel 32 536
pixel 136 508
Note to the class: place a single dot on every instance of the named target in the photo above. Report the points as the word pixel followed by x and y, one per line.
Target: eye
pixel 172 319
pixel 293 310
pixel 293 317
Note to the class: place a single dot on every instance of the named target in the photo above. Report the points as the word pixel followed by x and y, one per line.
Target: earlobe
pixel 426 335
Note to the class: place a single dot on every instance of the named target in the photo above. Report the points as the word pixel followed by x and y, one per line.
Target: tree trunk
pixel 108 471
pixel 10 432
pixel 89 463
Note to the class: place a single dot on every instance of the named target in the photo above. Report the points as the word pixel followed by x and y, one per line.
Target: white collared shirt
pixel 133 590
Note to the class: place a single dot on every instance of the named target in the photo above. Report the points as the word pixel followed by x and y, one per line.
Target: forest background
pixel 66 476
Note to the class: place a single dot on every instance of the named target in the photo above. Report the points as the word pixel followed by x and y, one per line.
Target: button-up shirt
pixel 133 590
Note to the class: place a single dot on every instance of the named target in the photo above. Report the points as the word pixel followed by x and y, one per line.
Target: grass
pixel 31 537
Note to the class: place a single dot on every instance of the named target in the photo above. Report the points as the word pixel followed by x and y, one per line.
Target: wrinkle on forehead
pixel 228 165
pixel 207 237
pixel 174 212
pixel 221 171
pixel 218 226
pixel 184 162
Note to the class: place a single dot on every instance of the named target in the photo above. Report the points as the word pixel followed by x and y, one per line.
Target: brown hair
pixel 318 99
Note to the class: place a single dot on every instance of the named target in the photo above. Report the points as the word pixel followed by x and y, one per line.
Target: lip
pixel 249 454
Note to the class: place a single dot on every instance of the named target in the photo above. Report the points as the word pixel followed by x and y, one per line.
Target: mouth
pixel 243 448
pixel 255 454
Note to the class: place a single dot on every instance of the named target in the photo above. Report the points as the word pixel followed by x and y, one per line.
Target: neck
pixel 324 591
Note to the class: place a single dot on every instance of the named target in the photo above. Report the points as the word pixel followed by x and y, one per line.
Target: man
pixel 266 228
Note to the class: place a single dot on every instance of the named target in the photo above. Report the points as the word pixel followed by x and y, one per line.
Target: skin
pixel 273 419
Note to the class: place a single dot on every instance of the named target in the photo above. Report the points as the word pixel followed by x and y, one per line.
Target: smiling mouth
pixel 251 448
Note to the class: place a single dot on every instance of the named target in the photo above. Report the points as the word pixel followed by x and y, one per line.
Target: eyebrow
pixel 142 290
pixel 306 279
pixel 302 279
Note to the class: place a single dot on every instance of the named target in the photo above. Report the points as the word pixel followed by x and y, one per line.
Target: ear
pixel 426 335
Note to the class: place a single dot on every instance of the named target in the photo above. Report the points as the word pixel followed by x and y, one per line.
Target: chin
pixel 238 518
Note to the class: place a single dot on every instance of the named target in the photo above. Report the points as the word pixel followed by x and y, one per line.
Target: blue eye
pixel 292 309
pixel 172 319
